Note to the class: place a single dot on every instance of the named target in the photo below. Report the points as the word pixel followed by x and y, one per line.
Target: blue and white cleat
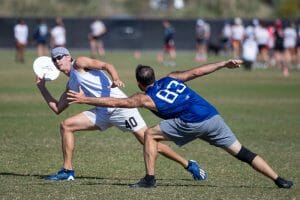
pixel 198 173
pixel 62 175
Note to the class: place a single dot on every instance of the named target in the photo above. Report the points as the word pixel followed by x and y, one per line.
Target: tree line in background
pixel 152 8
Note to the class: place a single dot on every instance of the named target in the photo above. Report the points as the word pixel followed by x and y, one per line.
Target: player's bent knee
pixel 148 136
pixel 65 126
pixel 246 155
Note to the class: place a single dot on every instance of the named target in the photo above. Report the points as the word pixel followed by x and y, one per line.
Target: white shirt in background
pixel 21 33
pixel 238 32
pixel 97 28
pixel 290 37
pixel 58 33
pixel 262 36
pixel 250 49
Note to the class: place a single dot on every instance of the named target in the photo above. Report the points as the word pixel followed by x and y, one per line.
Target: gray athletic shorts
pixel 126 119
pixel 214 130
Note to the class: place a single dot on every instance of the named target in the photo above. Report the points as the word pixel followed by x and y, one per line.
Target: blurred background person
pixel 21 39
pixel 271 44
pixel 58 34
pixel 40 37
pixel 169 52
pixel 298 43
pixel 226 39
pixel 98 29
pixel 237 36
pixel 262 37
pixel 289 44
pixel 202 31
pixel 249 49
pixel 278 50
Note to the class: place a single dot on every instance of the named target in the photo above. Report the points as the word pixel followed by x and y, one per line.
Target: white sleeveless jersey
pixel 94 83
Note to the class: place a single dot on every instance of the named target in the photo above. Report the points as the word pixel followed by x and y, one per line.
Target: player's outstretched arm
pixel 204 70
pixel 134 101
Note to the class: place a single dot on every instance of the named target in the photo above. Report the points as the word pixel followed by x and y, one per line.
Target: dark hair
pixel 144 75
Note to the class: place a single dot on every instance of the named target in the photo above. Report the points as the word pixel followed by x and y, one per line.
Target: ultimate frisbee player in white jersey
pixel 86 74
pixel 187 116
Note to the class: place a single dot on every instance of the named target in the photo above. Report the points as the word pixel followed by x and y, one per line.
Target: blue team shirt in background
pixel 174 99
pixel 41 34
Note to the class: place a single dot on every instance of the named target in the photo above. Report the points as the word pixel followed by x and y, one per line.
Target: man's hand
pixel 40 82
pixel 117 83
pixel 75 97
pixel 234 63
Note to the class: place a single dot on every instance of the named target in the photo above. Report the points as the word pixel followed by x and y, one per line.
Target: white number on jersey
pixel 170 96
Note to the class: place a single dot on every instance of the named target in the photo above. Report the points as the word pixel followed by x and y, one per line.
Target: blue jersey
pixel 174 99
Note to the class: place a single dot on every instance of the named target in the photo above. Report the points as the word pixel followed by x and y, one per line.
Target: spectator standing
pixel 289 44
pixel 262 37
pixel 41 38
pixel 278 51
pixel 21 38
pixel 202 37
pixel 58 34
pixel 298 44
pixel 271 44
pixel 226 39
pixel 249 49
pixel 169 52
pixel 237 36
pixel 98 29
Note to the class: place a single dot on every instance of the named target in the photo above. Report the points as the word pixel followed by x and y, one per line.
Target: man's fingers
pixel 72 93
pixel 74 97
pixel 71 100
pixel 238 61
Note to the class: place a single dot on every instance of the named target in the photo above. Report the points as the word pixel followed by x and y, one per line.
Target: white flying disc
pixel 44 67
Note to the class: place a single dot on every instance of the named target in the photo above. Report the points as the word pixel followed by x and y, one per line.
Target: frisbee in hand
pixel 44 67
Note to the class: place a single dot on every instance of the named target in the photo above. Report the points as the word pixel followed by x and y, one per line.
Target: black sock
pixel 149 178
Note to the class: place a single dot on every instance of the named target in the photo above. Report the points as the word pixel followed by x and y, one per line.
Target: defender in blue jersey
pixel 187 116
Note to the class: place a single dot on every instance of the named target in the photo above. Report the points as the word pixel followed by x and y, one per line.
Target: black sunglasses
pixel 59 57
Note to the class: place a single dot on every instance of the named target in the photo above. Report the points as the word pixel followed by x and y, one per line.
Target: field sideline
pixel 262 108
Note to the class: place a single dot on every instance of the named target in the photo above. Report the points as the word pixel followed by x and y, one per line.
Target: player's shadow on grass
pixel 90 180
pixel 39 176
pixel 44 176
pixel 22 175
pixel 166 183
pixel 77 177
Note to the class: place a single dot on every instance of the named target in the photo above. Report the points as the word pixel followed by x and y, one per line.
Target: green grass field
pixel 262 108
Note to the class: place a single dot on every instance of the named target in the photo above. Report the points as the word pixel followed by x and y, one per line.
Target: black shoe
pixel 144 184
pixel 282 183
